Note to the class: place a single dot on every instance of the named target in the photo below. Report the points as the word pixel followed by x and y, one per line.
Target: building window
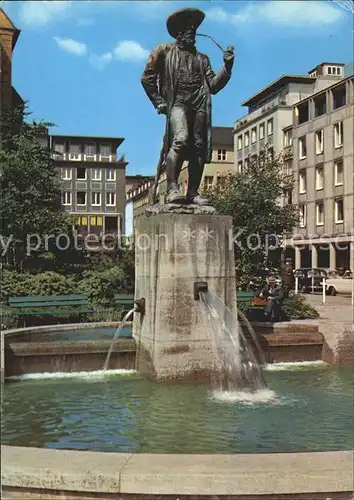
pixel 338 173
pixel 261 131
pixel 81 174
pixel 221 154
pixel 81 221
pixel 339 210
pixel 302 181
pixel 247 139
pixel 110 199
pixel 270 127
pixel 239 167
pixel 59 149
pixel 302 147
pixel 254 135
pixel 110 174
pixel 303 112
pixel 239 142
pixel 74 152
pixel 319 177
pixel 288 138
pixel 81 198
pixel 320 103
pixel 288 168
pixel 67 174
pixel 90 150
pixel 289 196
pixel 319 142
pixel 319 213
pixel 96 221
pixel 66 200
pixel 208 181
pixel 339 95
pixel 96 198
pixel 247 163
pixel 105 150
pixel 302 215
pixel 97 174
pixel 338 134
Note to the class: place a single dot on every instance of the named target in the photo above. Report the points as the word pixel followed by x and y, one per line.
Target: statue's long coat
pixel 159 80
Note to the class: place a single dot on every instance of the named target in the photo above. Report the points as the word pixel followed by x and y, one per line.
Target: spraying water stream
pixel 238 357
pixel 116 335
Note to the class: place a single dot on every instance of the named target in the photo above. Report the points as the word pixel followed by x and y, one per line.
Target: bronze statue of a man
pixel 179 81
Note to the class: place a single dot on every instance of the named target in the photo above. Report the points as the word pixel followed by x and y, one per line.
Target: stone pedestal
pixel 173 251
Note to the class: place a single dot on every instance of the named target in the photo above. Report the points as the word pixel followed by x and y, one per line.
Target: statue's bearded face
pixel 187 37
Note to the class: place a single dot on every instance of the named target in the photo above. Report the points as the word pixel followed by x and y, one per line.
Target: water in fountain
pixel 116 335
pixel 237 355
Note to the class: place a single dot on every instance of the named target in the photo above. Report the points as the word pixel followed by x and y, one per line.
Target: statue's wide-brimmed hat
pixel 182 19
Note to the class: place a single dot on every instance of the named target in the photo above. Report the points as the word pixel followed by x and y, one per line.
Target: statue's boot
pixel 174 195
pixel 199 200
pixel 195 171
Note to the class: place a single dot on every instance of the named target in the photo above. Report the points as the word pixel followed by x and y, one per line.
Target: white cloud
pixel 72 46
pixel 128 50
pixel 288 13
pixel 35 13
pixel 100 62
pixel 86 21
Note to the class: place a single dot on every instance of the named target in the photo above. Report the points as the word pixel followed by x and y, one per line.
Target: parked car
pixel 331 273
pixel 308 276
pixel 342 285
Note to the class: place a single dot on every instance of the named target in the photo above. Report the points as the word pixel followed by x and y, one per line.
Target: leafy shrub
pixel 16 284
pixel 297 307
pixel 7 318
pixel 100 287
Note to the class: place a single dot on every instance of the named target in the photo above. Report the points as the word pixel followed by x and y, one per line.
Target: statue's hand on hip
pixel 162 109
pixel 229 57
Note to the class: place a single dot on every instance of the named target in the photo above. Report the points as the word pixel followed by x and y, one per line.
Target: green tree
pixel 252 197
pixel 30 192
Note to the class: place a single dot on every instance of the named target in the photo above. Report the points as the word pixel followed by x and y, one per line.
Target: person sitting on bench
pixel 274 295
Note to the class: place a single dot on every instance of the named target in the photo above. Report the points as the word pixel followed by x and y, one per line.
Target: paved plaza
pixel 336 323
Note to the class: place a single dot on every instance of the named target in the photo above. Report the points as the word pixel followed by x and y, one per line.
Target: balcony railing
pixel 88 158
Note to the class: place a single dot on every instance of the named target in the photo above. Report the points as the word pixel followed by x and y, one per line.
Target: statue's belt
pixel 189 85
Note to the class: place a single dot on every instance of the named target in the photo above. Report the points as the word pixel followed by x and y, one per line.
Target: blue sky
pixel 79 63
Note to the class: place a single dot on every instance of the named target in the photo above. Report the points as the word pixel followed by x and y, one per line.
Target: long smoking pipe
pixel 216 43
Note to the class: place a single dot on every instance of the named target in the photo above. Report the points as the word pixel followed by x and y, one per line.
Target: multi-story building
pixel 9 34
pixel 9 98
pixel 320 147
pixel 93 182
pixel 270 111
pixel 134 181
pixel 137 194
pixel 222 162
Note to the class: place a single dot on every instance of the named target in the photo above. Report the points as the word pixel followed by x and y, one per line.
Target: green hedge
pixel 100 286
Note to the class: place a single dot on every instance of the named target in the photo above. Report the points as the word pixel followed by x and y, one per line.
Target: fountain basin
pixel 38 473
pixel 56 474
pixel 73 348
pixel 306 407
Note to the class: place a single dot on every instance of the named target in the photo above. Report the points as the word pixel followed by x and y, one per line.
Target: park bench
pixel 124 301
pixel 253 312
pixel 50 305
